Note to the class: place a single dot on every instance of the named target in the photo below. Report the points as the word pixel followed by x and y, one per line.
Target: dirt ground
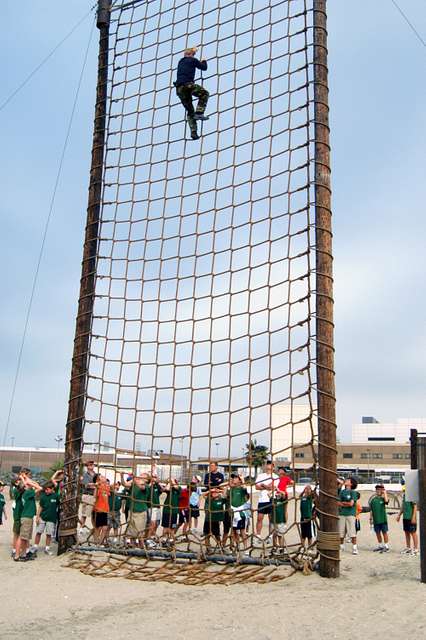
pixel 377 596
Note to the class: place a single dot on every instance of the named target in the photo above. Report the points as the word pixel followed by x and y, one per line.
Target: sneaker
pixel 48 552
pixel 31 555
pixel 200 116
pixel 379 548
pixel 405 552
pixel 194 135
pixel 385 550
pixel 21 559
pixel 342 547
pixel 414 552
pixel 354 551
pixel 13 553
pixel 268 540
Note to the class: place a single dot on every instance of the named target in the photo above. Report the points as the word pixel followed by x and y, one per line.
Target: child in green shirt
pixel 409 525
pixel 379 519
pixel 47 516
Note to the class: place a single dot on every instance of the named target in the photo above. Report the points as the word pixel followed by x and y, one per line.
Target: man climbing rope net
pixel 186 88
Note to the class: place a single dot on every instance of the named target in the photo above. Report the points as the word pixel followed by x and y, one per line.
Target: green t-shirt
pixel 238 496
pixel 155 494
pixel 407 509
pixel 278 511
pixel 171 503
pixel 2 503
pixel 306 508
pixel 346 495
pixel 139 498
pixel 28 504
pixel 114 501
pixel 49 507
pixel 16 495
pixel 214 509
pixel 378 510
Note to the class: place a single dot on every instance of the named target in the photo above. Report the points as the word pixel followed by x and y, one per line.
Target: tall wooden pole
pixel 80 359
pixel 328 540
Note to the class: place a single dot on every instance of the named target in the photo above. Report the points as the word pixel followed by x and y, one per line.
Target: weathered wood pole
pixel 421 508
pixel 80 359
pixel 328 540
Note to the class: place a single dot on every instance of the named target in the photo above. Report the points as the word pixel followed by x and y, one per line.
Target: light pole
pixel 12 441
pixel 58 439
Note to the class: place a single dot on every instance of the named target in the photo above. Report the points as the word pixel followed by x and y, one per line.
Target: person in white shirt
pixel 266 483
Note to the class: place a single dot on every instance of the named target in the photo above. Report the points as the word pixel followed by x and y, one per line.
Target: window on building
pixel 348 455
pixel 377 456
pixel 364 456
pixel 407 456
pixel 397 456
pixel 381 439
pixel 299 455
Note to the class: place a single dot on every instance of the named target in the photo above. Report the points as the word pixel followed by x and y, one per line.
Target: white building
pixel 371 430
pixel 292 424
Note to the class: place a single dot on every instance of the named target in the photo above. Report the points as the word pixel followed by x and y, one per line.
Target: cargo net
pixel 201 356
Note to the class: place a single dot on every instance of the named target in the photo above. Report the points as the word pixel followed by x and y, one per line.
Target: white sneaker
pixel 405 552
pixel 379 548
pixel 414 552
pixel 354 551
pixel 48 552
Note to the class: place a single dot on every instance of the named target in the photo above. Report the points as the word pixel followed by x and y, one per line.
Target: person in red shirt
pixel 184 513
pixel 284 482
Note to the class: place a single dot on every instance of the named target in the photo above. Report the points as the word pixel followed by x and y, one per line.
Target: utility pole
pixel 328 538
pixel 80 359
pixel 418 461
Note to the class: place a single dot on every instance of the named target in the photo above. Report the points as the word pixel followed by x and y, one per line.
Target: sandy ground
pixel 377 596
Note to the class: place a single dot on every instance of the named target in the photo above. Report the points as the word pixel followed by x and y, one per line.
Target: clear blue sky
pixel 378 123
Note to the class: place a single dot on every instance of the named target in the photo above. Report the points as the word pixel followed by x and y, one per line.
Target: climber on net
pixel 186 88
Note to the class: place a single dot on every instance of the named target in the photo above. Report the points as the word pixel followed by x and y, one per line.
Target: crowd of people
pixel 155 512
pixel 146 512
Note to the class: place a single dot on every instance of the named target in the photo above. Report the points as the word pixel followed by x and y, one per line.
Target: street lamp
pixel 58 439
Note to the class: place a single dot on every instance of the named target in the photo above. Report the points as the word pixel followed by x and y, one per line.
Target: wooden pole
pixel 421 464
pixel 80 359
pixel 328 542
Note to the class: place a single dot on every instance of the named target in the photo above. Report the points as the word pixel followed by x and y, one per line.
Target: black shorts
pixel 101 519
pixel 227 522
pixel 265 508
pixel 306 529
pixel 211 527
pixel 195 512
pixel 183 516
pixel 241 524
pixel 409 527
pixel 169 519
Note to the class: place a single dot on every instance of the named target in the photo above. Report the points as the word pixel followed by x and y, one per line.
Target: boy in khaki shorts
pixel 140 500
pixel 27 518
pixel 347 512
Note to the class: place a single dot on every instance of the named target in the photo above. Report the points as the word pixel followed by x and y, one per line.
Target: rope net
pixel 202 345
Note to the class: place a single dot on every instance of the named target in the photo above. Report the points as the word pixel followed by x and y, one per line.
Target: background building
pixel 371 430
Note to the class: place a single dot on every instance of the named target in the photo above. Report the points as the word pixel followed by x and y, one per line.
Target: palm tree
pixel 256 455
